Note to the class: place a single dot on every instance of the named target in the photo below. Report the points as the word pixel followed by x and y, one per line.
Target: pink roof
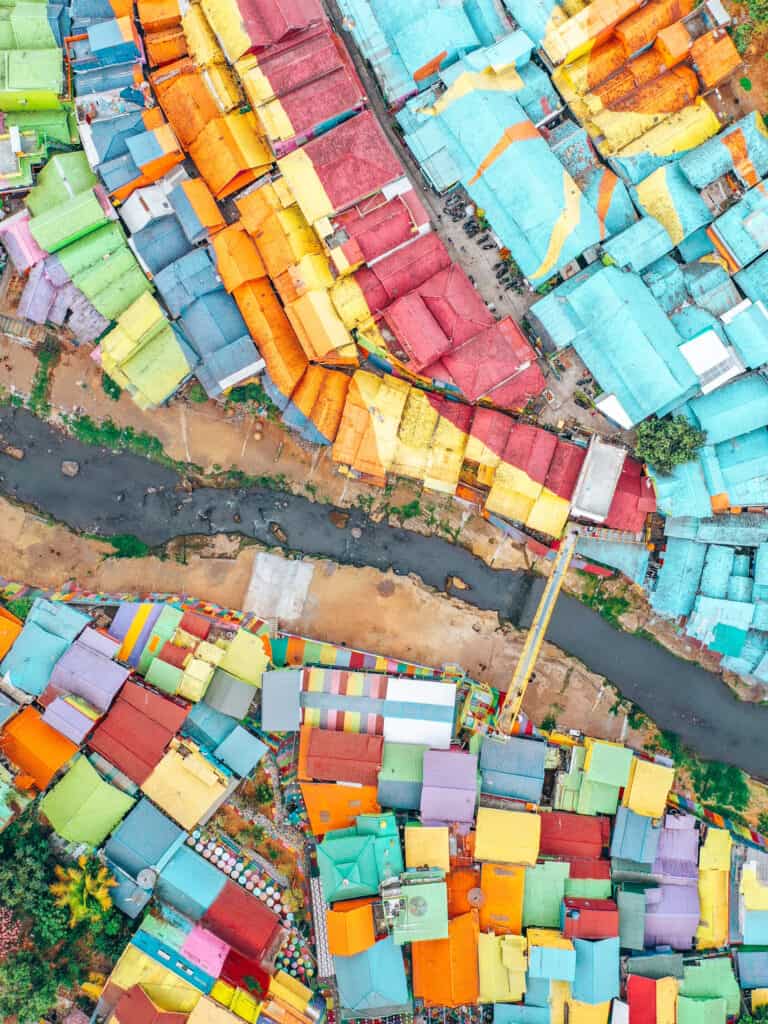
pixel 516 392
pixel 354 160
pixel 206 950
pixel 455 412
pixel 531 449
pixel 456 305
pixel 377 226
pixel 492 428
pixel 17 239
pixel 418 336
pixel 269 21
pixel 496 355
pixel 633 499
pixel 404 270
pixel 314 78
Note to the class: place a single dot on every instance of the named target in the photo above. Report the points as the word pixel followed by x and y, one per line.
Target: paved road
pixel 120 493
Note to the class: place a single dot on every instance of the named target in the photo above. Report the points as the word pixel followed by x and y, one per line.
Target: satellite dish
pixel 147 878
pixel 475 898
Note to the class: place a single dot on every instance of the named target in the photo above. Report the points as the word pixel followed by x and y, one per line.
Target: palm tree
pixel 84 890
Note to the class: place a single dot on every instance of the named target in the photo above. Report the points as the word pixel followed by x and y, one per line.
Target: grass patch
pixel 20 607
pixel 721 787
pixel 197 394
pixel 127 545
pixel 110 388
pixel 254 393
pixel 47 358
pixel 609 606
pixel 107 434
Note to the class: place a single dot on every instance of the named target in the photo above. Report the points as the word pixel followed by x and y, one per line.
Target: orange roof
pixel 202 202
pixel 10 627
pixel 237 258
pixel 34 747
pixel 331 806
pixel 229 153
pixel 350 927
pixel 321 395
pixel 445 970
pixel 642 27
pixel 673 43
pixel 188 104
pixel 155 15
pixel 255 207
pixel 502 908
pixel 460 882
pixel 275 338
pixel 716 57
pixel 165 46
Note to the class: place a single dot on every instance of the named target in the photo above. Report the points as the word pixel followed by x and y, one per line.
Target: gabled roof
pixel 243 921
pixel 144 839
pixel 343 756
pixel 513 767
pixel 350 928
pixel 445 971
pixel 373 980
pixel 135 1007
pixel 187 784
pixel 449 790
pixel 597 971
pixel 37 750
pixel 82 807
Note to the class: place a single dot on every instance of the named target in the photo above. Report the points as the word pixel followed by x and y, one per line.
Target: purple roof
pixel 68 720
pixel 85 322
pixel 677 856
pixel 102 643
pixel 38 296
pixel 122 621
pixel 449 791
pixel 671 916
pixel 87 673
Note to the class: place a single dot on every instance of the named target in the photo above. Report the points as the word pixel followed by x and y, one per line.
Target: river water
pixel 122 493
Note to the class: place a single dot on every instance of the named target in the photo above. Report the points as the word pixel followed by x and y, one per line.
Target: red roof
pixel 173 654
pixel 354 160
pixel 530 449
pixel 492 428
pixel 242 921
pixel 565 468
pixel 376 226
pixel 516 392
pixel 135 1007
pixel 136 731
pixel 197 625
pixel 269 21
pixel 590 919
pixel 313 76
pixel 633 499
pixel 588 867
pixel 495 356
pixel 459 415
pixel 242 972
pixel 641 996
pixel 456 304
pixel 344 757
pixel 419 339
pixel 402 271
pixel 574 835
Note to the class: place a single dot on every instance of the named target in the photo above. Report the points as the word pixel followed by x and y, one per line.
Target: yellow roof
pixel 715 854
pixel 194 682
pixel 648 788
pixel 509 837
pixel 759 998
pixel 201 42
pixel 414 436
pixel 304 182
pixel 290 990
pixel 682 131
pixel 666 1000
pixel 246 658
pixel 350 303
pixel 426 847
pixel 318 326
pixel 548 938
pixel 502 963
pixel 755 893
pixel 559 995
pixel 227 22
pixel 239 1001
pixel 712 932
pixel 584 1013
pixel 446 455
pixel 185 784
pixel 166 989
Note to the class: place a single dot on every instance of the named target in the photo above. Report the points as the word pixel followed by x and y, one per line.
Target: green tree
pixel 762 822
pixel 28 987
pixel 668 442
pixel 83 890
pixel 720 784
pixel 110 388
pixel 263 793
pixel 758 1016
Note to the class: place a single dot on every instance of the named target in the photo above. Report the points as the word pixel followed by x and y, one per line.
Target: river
pixel 116 493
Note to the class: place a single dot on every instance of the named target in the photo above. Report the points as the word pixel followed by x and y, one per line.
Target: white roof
pixel 420 729
pixel 597 481
pixel 612 409
pixel 713 362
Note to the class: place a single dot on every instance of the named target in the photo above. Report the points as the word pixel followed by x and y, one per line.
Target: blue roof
pixel 160 243
pixel 144 839
pixel 551 963
pixel 640 245
pixel 678 579
pixel 668 195
pixel 374 979
pixel 213 321
pixel 635 837
pixel 207 726
pixel 189 883
pixel 513 768
pixel 744 228
pixel 110 135
pixel 8 708
pixel 755 932
pixel 191 224
pixel 597 971
pixel 748 332
pixel 236 361
pixel 753 968
pixel 241 751
pixel 736 408
pixel 48 631
pixel 506 1013
pixel 186 279
pixel 718 566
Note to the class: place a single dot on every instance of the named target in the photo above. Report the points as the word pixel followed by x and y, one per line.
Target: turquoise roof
pixel 734 409
pixel 597 971
pixel 683 492
pixel 630 559
pixel 744 228
pixel 689 208
pixel 753 280
pixel 678 579
pixel 711 287
pixel 640 245
pixel 533 16
pixel 372 980
pixel 748 332
pixel 714 158
pixel 718 565
pixel 665 279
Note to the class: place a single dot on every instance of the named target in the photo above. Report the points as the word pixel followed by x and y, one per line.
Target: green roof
pixel 710 978
pixel 597 798
pixel 165 626
pixel 113 284
pixel 656 965
pixel 25 26
pixel 588 888
pixel 569 783
pixel 424 915
pixel 347 867
pixel 609 764
pixel 67 222
pixel 631 903
pixel 403 762
pixel 83 807
pixel 544 892
pixel 65 174
pixel 90 249
pixel 157 367
pixel 701 1011
pixel 29 71
pixel 53 125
